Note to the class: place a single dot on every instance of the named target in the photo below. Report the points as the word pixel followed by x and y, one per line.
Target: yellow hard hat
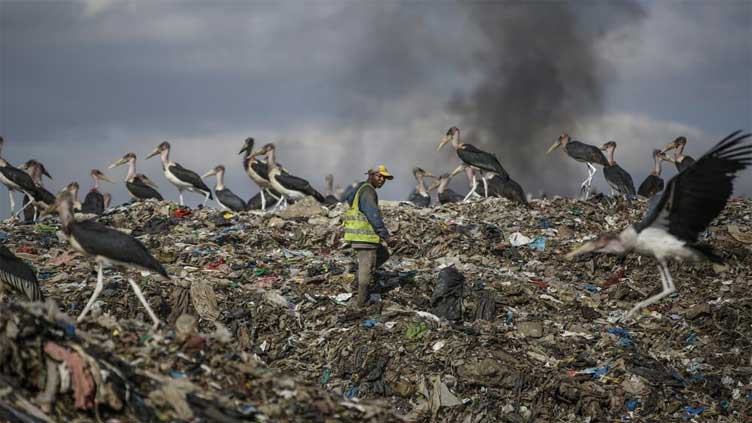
pixel 381 170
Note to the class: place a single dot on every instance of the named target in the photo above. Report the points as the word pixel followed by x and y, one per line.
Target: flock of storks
pixel 670 228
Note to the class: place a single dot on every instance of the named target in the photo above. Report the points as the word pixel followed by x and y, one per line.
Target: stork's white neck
pixel 679 156
pixel 96 182
pixel 220 180
pixel 271 161
pixel 610 155
pixel 165 155
pixel 66 217
pixel 456 139
pixel 657 167
pixel 421 188
pixel 131 170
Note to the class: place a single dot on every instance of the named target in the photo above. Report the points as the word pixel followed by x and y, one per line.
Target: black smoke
pixel 540 74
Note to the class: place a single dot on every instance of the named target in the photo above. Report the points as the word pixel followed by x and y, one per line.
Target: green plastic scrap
pixel 416 330
pixel 45 229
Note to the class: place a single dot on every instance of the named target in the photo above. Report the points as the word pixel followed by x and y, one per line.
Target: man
pixel 365 230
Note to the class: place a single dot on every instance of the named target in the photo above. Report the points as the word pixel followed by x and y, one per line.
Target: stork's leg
pixel 668 289
pixel 97 291
pixel 281 199
pixel 472 189
pixel 12 202
pixel 141 297
pixel 36 213
pixel 180 196
pixel 206 198
pixel 28 203
pixel 263 200
pixel 485 185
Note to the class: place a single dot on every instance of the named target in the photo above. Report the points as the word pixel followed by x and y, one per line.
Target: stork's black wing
pixel 294 183
pixel 261 168
pixel 230 200
pixel 98 239
pixel 19 276
pixel 449 196
pixel 93 203
pixel 472 156
pixel 585 153
pixel 140 190
pixel 20 178
pixel 685 163
pixel 419 200
pixel 619 179
pixel 696 196
pixel 190 177
pixel 44 196
pixel 650 186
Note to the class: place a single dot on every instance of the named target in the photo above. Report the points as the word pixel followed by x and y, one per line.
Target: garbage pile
pixel 476 317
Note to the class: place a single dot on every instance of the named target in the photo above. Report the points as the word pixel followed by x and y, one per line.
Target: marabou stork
pixel 226 199
pixel 509 188
pixel 473 160
pixel 258 171
pixel 653 183
pixel 618 179
pixel 107 198
pixel 108 246
pixel 182 178
pixel 680 160
pixel 138 185
pixel 44 198
pixel 420 196
pixel 691 200
pixel 583 153
pixel 18 276
pixel 446 195
pixel 329 196
pixel 290 186
pixel 16 179
pixel 73 188
pixel 94 201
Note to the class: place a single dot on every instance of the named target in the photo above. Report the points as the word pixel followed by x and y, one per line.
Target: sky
pixel 341 86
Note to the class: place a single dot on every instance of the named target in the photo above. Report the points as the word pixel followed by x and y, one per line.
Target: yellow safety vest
pixel 357 228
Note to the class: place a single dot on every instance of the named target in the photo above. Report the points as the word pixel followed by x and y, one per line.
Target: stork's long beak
pixel 209 173
pixel 667 158
pixel 259 152
pixel 244 149
pixel 459 169
pixel 153 153
pixel 445 139
pixel 669 147
pixel 44 172
pixel 553 147
pixel 429 175
pixel 434 185
pixel 117 163
pixel 104 178
pixel 585 248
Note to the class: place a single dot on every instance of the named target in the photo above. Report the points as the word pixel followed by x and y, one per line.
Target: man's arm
pixel 370 207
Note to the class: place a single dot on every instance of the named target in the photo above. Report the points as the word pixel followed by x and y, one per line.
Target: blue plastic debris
pixel 68 328
pixel 176 374
pixel 691 338
pixel 248 409
pixel 352 392
pixel 625 339
pixel 3 235
pixel 749 396
pixel 697 377
pixel 690 412
pixel 368 324
pixel 631 405
pixel 600 372
pixel 591 288
pixel 510 317
pixel 545 224
pixel 538 244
